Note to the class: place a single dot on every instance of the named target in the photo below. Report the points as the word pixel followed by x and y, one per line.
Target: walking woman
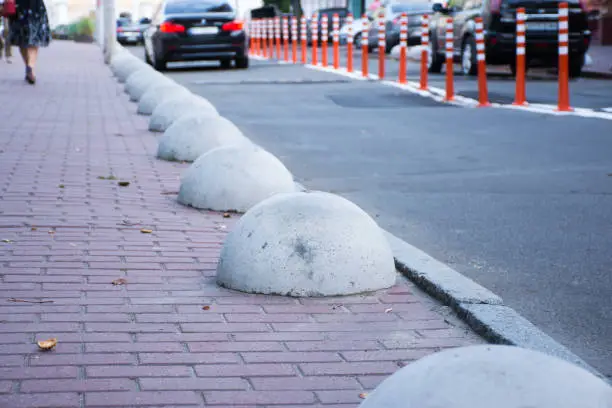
pixel 29 30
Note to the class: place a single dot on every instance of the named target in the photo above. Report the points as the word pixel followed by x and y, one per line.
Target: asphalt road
pixel 520 202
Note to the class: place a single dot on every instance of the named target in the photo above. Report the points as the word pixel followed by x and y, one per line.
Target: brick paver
pixel 68 231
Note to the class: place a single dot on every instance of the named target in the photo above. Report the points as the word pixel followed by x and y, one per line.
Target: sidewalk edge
pixel 480 308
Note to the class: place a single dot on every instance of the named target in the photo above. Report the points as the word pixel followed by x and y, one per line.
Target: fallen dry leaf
pixel 206 307
pixel 389 310
pixel 363 395
pixel 33 229
pixel 61 186
pixel 119 281
pixel 124 183
pixel 47 344
pixel 51 232
pixel 146 231
pixel 8 241
pixel 226 215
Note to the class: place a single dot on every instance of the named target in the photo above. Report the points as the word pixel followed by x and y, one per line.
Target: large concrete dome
pixel 126 66
pixel 141 80
pixel 306 244
pixel 234 178
pixel 170 110
pixel 159 93
pixel 487 376
pixel 192 135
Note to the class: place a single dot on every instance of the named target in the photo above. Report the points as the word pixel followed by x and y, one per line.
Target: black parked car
pixel 191 30
pixel 499 18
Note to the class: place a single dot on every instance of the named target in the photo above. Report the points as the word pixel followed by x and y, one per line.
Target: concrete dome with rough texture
pixel 488 376
pixel 159 93
pixel 170 110
pixel 234 178
pixel 127 66
pixel 306 244
pixel 192 135
pixel 141 80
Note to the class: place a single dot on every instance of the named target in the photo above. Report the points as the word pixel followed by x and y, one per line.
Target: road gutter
pixel 481 309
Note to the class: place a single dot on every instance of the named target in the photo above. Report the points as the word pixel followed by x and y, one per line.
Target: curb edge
pixel 481 309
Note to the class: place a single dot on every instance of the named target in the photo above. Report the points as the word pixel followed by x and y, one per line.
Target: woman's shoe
pixel 29 77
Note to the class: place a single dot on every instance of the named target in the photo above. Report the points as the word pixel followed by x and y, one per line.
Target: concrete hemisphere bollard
pixel 125 69
pixel 193 135
pixel 234 178
pixel 121 62
pixel 306 244
pixel 158 93
pixel 170 110
pixel 140 81
pixel 487 376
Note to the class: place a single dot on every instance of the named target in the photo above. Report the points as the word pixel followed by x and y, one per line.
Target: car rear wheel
pixel 434 60
pixel 226 64
pixel 242 62
pixel 575 66
pixel 160 64
pixel 469 63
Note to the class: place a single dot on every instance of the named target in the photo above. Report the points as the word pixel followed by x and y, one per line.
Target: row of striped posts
pixel 266 41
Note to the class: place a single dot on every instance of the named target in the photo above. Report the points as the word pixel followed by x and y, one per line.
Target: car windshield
pixel 197 6
pixel 410 7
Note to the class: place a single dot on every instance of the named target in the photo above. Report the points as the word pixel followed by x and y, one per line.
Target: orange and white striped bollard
pixel 563 104
pixel 277 29
pixel 314 33
pixel 520 95
pixel 450 86
pixel 271 38
pixel 324 38
pixel 304 38
pixel 336 39
pixel 483 93
pixel 381 46
pixel 285 39
pixel 364 46
pixel 294 39
pixel 257 37
pixel 403 43
pixel 424 51
pixel 349 43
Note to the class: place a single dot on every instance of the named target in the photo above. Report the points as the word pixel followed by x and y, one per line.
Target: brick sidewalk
pixel 67 234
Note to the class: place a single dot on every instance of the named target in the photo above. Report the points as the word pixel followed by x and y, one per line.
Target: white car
pixel 357 28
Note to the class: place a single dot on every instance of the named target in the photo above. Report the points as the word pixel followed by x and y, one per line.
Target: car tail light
pixel 232 26
pixel 119 29
pixel 171 28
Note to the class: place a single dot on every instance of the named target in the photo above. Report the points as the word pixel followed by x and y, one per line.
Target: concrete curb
pixel 480 308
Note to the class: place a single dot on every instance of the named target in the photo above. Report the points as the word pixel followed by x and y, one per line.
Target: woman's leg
pixel 32 56
pixel 24 55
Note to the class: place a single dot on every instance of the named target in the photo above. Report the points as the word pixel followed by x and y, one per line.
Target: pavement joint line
pixel 437 94
pixel 481 309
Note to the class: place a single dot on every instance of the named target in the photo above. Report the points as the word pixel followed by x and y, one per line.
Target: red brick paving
pixel 68 234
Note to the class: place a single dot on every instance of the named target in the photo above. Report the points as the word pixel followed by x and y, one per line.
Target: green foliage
pixel 85 26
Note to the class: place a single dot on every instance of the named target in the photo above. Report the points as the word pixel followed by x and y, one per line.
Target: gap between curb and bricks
pixel 481 309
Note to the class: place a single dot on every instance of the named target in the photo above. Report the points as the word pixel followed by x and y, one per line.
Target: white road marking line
pixel 437 94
